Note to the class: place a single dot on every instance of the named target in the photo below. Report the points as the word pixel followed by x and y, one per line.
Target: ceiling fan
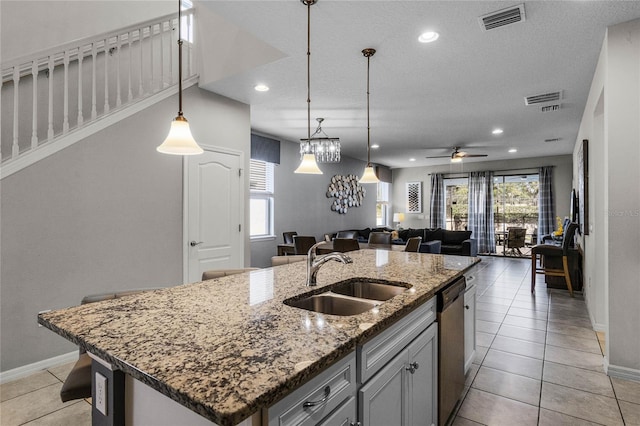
pixel 458 155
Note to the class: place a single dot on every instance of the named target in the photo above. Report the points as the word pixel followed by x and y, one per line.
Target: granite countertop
pixel 228 347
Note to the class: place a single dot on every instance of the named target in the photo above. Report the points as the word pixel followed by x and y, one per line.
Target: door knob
pixel 413 367
pixel 194 243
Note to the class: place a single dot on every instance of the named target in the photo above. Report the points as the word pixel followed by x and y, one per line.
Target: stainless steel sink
pixel 366 289
pixel 332 304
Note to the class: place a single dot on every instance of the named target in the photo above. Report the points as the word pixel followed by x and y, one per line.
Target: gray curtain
pixel 481 211
pixel 437 201
pixel 546 208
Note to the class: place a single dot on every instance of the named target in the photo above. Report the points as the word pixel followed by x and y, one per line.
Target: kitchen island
pixel 228 348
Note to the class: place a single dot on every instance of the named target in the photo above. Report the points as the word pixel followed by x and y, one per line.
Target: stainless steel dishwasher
pixel 450 317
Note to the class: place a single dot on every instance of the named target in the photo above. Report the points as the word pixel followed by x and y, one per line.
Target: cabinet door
pixel 422 378
pixel 469 326
pixel 383 400
pixel 345 415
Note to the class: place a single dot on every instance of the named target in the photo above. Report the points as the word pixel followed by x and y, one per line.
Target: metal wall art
pixel 347 193
pixel 414 197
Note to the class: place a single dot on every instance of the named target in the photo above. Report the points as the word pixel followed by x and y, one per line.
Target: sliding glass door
pixel 516 205
pixel 456 203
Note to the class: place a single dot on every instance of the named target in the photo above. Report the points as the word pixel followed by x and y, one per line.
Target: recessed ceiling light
pixel 497 131
pixel 261 87
pixel 375 146
pixel 512 150
pixel 412 159
pixel 428 37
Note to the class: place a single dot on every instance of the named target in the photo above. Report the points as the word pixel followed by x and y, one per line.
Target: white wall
pixel 301 204
pixel 32 26
pixel 562 174
pixel 102 215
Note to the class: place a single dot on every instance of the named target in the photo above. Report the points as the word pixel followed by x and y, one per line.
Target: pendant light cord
pixel 309 3
pixel 368 125
pixel 180 58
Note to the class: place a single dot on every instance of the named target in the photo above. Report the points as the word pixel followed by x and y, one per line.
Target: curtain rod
pixel 524 170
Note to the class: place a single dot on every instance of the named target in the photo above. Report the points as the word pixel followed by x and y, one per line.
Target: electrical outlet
pixel 101 393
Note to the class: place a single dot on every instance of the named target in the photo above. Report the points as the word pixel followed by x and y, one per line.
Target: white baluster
pixel 50 118
pixel 129 93
pixel 34 120
pixel 94 54
pixel 15 148
pixel 118 97
pixel 141 86
pixel 171 44
pixel 162 85
pixel 65 123
pixel 106 76
pixel 152 87
pixel 80 59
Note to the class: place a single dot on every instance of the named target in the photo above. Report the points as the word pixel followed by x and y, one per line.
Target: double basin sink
pixel 351 297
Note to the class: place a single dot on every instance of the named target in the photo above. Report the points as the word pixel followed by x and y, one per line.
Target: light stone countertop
pixel 228 347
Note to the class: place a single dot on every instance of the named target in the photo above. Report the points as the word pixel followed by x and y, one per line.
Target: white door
pixel 214 213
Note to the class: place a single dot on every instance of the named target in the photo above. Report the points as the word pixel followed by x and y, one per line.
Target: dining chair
pixel 347 234
pixel 345 244
pixel 302 243
pixel 288 237
pixel 413 244
pixel 548 251
pixel 380 238
pixel 219 273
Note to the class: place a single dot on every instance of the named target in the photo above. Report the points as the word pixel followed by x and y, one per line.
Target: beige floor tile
pixel 509 385
pixel 489 316
pixel 62 371
pixel 537 336
pixel 627 390
pixel 490 409
pixel 481 352
pixel 525 322
pixel 570 330
pixel 569 320
pixel 512 363
pixel 461 421
pixel 578 378
pixel 23 386
pixel 487 326
pixel 532 305
pixel 574 358
pixel 517 346
pixel 495 300
pixel 574 318
pixel 528 313
pixel 552 418
pixel 33 405
pixel 78 414
pixel 492 307
pixel 577 343
pixel 577 403
pixel 630 413
pixel 484 339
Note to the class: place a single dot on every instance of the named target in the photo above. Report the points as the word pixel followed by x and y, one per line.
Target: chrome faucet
pixel 315 262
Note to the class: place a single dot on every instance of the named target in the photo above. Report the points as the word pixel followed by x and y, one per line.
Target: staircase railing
pixel 57 93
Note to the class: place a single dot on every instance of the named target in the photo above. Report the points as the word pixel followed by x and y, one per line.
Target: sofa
pixel 451 242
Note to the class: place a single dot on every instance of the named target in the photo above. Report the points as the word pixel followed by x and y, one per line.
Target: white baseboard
pixel 621 372
pixel 27 370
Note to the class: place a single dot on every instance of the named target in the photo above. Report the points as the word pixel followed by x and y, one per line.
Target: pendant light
pixel 308 164
pixel 369 175
pixel 180 141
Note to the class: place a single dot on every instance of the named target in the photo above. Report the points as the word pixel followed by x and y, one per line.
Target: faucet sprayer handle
pixel 312 250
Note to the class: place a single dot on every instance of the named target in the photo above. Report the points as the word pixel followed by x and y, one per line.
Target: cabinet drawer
pixel 375 353
pixel 316 399
pixel 345 415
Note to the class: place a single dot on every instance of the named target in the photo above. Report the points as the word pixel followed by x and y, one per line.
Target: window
pixel 382 204
pixel 261 199
pixel 456 203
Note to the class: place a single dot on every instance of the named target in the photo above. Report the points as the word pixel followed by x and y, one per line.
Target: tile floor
pixel 538 362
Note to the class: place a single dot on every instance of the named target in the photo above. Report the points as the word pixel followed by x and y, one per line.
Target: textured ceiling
pixel 425 98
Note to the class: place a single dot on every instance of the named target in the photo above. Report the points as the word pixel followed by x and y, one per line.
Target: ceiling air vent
pixel 550 108
pixel 552 140
pixel 502 17
pixel 543 98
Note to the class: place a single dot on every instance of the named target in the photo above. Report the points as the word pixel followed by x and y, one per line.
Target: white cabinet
pixel 317 399
pixel 469 323
pixel 403 392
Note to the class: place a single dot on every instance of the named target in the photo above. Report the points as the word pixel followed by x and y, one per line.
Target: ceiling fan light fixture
pixel 456 159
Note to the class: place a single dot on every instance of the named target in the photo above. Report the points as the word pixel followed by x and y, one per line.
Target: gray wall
pixel 302 206
pixel 562 174
pixel 104 214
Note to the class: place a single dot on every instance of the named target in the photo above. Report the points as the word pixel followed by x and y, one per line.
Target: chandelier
pixel 324 148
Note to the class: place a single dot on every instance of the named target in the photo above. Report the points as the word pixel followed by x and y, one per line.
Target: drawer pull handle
pixel 327 392
pixel 413 367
